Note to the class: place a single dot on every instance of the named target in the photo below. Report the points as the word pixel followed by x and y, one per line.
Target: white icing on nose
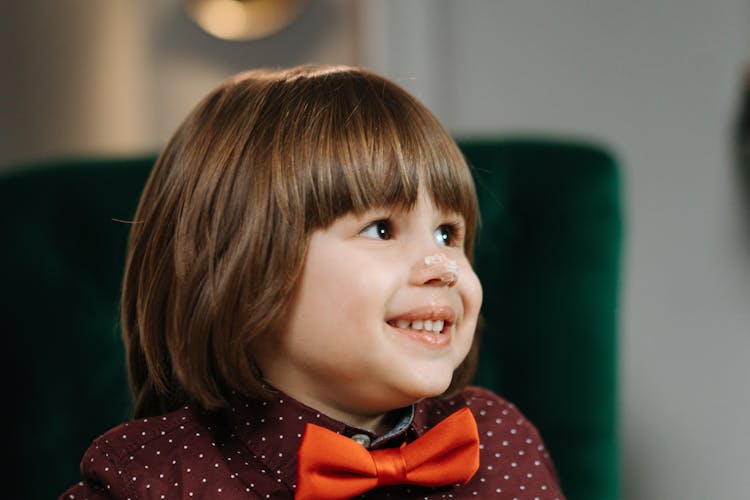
pixel 447 268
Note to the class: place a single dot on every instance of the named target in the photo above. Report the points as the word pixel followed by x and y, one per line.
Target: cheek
pixel 471 293
pixel 344 287
pixel 478 292
pixel 471 297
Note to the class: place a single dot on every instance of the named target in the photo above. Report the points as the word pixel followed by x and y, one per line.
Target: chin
pixel 428 388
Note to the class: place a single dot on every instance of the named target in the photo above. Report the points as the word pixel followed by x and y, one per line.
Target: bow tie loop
pixel 331 466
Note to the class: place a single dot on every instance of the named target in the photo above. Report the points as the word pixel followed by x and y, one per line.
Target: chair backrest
pixel 62 259
pixel 548 256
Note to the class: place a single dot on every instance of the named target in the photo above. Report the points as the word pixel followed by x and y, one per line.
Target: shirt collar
pixel 272 428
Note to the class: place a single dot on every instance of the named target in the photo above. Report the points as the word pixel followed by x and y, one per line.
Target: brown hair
pixel 222 227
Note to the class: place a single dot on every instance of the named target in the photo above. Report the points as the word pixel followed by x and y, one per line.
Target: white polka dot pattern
pixel 249 451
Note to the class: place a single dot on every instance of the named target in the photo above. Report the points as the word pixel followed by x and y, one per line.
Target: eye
pixel 379 230
pixel 444 235
pixel 449 234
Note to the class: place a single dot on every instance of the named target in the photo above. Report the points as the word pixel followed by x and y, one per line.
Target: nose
pixel 436 270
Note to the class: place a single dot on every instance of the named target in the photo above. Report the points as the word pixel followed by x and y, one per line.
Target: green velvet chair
pixel 548 256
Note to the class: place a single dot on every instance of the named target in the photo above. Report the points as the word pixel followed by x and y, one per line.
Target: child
pixel 299 308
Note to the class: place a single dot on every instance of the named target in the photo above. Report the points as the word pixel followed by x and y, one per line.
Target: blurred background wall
pixel 116 76
pixel 658 81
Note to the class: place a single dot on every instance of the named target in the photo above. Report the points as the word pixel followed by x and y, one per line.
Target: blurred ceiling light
pixel 243 19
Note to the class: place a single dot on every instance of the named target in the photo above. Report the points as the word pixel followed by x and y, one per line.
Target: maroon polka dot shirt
pixel 249 451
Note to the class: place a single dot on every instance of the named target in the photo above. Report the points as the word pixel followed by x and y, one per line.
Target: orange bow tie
pixel 331 466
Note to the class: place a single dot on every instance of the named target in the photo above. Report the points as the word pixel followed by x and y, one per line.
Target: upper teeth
pixel 429 325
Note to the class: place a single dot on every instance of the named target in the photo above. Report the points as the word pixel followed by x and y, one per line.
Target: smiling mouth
pixel 434 327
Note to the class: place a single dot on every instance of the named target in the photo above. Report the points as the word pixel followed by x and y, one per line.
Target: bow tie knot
pixel 390 466
pixel 331 466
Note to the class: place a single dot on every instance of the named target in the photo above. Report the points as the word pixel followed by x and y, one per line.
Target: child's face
pixel 349 346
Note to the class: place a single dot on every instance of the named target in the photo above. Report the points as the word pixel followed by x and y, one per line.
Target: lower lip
pixel 430 339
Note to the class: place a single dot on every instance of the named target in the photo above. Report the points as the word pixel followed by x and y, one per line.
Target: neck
pixel 377 422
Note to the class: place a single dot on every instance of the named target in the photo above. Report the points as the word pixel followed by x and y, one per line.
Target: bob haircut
pixel 222 228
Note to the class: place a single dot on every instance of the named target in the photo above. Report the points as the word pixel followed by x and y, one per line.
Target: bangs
pixel 369 145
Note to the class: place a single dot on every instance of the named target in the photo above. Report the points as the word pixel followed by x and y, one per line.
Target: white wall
pixel 658 81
